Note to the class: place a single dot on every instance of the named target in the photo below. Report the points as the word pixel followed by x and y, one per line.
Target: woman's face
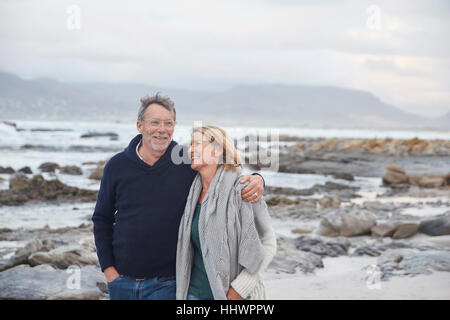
pixel 202 152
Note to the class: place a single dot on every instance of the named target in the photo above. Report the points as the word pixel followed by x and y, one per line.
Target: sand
pixel 344 278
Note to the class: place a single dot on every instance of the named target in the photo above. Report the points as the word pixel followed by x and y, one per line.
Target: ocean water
pixel 36 142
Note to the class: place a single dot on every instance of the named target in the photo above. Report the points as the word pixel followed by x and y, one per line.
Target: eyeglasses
pixel 155 123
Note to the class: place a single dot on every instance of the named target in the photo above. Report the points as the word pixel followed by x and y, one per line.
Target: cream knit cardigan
pixel 236 237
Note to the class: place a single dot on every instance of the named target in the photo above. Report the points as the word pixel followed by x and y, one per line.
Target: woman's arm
pixel 246 281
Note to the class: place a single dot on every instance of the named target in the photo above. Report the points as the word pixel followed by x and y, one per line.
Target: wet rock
pixel 317 246
pixel 384 229
pixel 410 262
pixel 23 189
pixel 98 163
pixel 394 175
pixel 437 226
pixel 40 147
pixel 72 170
pixel 290 260
pixel 344 176
pixel 97 174
pixel 346 224
pixel 377 250
pixel 329 188
pixel 366 250
pixel 330 202
pixel 301 230
pixel 422 262
pixel 22 254
pixel 9 123
pixel 44 282
pixel 111 135
pixel 428 180
pixel 405 230
pixel 49 166
pixel 50 130
pixel 65 256
pixel 287 191
pixel 7 170
pixel 26 170
pixel 280 201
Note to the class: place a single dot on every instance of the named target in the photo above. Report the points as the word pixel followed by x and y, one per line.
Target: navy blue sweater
pixel 138 212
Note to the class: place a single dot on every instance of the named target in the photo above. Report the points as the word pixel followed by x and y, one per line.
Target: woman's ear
pixel 218 152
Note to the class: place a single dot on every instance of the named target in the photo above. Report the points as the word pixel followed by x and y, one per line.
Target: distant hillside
pixel 266 105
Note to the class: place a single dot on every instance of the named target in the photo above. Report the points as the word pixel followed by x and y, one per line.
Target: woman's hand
pixel 233 295
pixel 254 190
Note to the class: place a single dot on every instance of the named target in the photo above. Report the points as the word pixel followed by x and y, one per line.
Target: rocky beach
pixel 355 218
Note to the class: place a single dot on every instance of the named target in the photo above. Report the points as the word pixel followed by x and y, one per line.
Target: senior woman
pixel 224 243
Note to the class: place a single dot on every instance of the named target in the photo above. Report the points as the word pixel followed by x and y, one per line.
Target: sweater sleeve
pixel 103 219
pixel 246 281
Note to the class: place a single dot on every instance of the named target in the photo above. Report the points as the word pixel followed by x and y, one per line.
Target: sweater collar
pixel 131 153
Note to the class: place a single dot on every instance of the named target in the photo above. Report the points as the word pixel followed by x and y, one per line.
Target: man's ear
pixel 139 126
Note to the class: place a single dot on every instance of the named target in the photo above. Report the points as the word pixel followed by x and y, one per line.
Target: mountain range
pixel 258 105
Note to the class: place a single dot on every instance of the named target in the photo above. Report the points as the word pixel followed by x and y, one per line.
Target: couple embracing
pixel 196 231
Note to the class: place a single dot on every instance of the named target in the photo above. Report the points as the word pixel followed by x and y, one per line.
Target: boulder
pixel 384 229
pixel 405 230
pixel 26 170
pixel 72 170
pixel 424 262
pixel 394 175
pixel 49 167
pixel 366 250
pixel 346 224
pixel 344 176
pixel 427 180
pixel 97 174
pixel 436 226
pixel 280 201
pixel 400 262
pixel 290 260
pixel 65 256
pixel 21 255
pixel 45 282
pixel 301 230
pixel 7 170
pixel 111 135
pixel 317 246
pixel 23 189
pixel 330 202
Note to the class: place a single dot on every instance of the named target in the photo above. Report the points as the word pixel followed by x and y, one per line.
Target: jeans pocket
pixel 164 280
pixel 115 280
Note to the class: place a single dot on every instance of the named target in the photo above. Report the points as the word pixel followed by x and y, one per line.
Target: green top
pixel 199 285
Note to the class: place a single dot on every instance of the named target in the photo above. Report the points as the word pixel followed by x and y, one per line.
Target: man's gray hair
pixel 164 102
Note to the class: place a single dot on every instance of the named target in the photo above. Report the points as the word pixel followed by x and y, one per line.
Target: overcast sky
pixel 398 50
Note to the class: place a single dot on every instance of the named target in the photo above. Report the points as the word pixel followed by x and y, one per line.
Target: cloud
pixel 212 44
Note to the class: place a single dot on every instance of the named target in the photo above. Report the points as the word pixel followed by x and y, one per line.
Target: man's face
pixel 157 137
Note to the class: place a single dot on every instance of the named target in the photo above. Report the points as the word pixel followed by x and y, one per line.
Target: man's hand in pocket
pixel 111 274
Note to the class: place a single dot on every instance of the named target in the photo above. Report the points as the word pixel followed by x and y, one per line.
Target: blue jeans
pixel 158 288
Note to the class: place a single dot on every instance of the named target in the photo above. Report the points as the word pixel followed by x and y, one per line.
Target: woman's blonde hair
pixel 230 159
